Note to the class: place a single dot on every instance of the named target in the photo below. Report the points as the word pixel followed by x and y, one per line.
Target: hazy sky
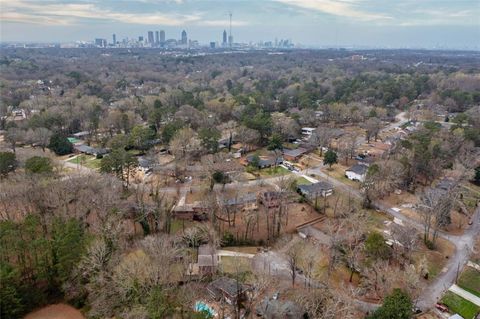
pixel 383 23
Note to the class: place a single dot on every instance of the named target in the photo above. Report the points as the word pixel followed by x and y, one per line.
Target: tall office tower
pixel 230 36
pixel 162 36
pixel 102 43
pixel 184 37
pixel 140 38
pixel 114 39
pixel 157 37
pixel 224 42
pixel 150 36
pixel 212 45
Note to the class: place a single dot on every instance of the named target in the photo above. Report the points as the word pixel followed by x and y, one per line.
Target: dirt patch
pixel 58 311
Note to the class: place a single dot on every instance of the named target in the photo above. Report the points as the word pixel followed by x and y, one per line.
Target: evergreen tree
pixel 330 158
pixel 60 144
pixel 397 305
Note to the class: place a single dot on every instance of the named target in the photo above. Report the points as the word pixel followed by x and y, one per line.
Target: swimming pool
pixel 201 306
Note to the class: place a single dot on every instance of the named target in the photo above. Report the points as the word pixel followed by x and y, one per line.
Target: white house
pixel 357 172
pixel 307 132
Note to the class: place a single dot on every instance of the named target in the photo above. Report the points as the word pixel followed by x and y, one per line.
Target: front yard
pixel 457 304
pixel 470 281
pixel 89 161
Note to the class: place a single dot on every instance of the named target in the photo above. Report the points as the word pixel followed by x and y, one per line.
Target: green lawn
pixel 233 265
pixel 303 181
pixel 89 161
pixel 457 304
pixel 274 171
pixel 470 281
pixel 178 225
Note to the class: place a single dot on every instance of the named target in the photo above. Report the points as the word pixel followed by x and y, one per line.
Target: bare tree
pixel 293 259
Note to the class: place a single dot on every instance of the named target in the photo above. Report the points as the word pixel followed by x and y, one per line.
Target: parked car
pixel 441 307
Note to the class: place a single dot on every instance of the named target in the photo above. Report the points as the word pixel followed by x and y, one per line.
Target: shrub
pixel 8 163
pixel 38 165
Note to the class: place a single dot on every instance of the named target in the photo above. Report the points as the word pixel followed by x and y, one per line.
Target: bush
pixel 397 305
pixel 99 156
pixel 228 239
pixel 376 247
pixel 8 163
pixel 430 245
pixel 38 165
pixel 60 144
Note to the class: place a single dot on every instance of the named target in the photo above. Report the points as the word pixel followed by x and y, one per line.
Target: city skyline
pixel 373 23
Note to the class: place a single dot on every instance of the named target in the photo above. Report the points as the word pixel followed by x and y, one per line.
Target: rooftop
pixel 294 152
pixel 359 169
pixel 315 187
pixel 226 285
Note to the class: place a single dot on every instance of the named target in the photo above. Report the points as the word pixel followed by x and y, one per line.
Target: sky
pixel 320 23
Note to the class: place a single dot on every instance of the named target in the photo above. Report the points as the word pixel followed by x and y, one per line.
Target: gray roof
pixel 359 169
pixel 279 309
pixel 315 187
pixel 266 161
pixel 294 152
pixel 143 162
pixel 446 184
pixel 90 150
pixel 80 134
pixel 248 198
pixel 206 250
pixel 226 285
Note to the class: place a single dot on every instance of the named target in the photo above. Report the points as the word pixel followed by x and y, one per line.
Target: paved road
pixel 463 248
pixel 463 244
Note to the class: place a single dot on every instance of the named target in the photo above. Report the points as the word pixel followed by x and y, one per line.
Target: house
pixel 293 155
pixel 265 162
pixel 446 185
pixel 81 135
pixel 144 164
pixel 193 211
pixel 274 308
pixel 240 200
pixel 85 149
pixel 307 132
pixel 227 289
pixel 270 199
pixel 311 191
pixel 207 260
pixel 357 172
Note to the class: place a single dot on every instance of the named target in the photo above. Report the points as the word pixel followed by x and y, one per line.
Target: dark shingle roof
pixel 226 285
pixel 359 169
pixel 294 152
pixel 315 187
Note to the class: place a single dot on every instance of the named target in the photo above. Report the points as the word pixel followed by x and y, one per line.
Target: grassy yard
pixel 179 224
pixel 338 172
pixel 457 304
pixel 89 161
pixel 470 281
pixel 303 181
pixel 233 265
pixel 274 171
